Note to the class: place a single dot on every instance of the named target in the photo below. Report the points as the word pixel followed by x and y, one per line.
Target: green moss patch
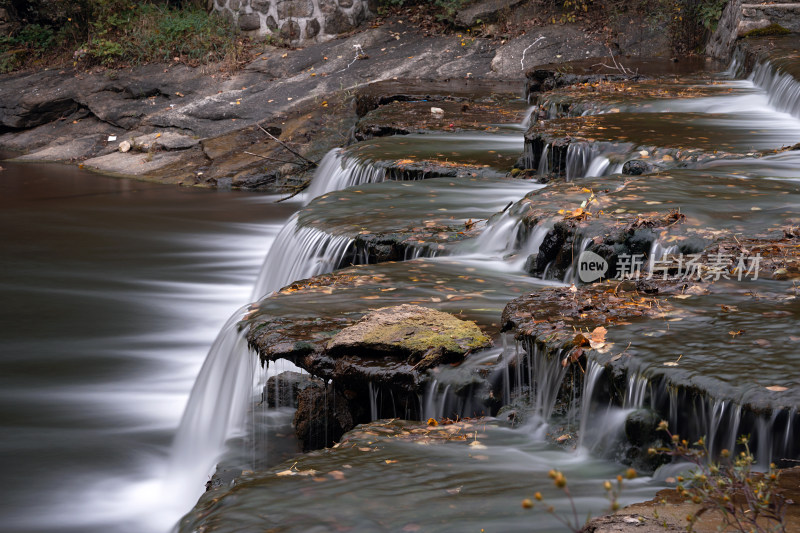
pixel 419 333
pixel 772 29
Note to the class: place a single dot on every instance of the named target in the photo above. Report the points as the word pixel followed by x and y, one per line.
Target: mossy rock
pixel 424 336
pixel 772 29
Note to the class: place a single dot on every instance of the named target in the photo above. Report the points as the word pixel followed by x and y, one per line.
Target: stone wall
pixel 757 16
pixel 739 18
pixel 297 20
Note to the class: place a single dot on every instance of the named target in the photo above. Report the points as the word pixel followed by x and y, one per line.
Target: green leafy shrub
pixel 117 32
pixel 709 12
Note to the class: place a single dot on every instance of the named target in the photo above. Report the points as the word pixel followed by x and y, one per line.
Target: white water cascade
pixel 545 374
pixel 593 372
pixel 590 160
pixel 658 252
pixel 783 89
pixel 337 171
pixel 215 412
pixel 299 253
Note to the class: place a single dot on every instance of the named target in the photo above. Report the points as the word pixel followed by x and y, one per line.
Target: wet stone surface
pixel 391 220
pixel 443 154
pixel 453 469
pixel 457 114
pixel 668 171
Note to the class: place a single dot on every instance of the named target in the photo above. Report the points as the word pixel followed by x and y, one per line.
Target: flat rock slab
pixel 298 322
pixel 133 164
pixel 419 332
pixel 409 117
pixel 370 214
pixel 164 141
pixel 545 45
pixel 69 150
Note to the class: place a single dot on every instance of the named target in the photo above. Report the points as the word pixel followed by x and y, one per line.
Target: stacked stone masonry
pixel 739 17
pixel 297 20
pixel 757 16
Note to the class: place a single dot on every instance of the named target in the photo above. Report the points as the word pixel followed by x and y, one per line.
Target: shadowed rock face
pixel 390 348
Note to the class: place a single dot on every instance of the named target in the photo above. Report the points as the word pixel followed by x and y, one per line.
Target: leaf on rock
pixel 597 340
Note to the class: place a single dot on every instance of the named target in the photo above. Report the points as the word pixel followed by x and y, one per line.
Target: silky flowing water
pixel 114 291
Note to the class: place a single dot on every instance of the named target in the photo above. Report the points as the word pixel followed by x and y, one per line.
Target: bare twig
pixel 287 147
pixel 275 159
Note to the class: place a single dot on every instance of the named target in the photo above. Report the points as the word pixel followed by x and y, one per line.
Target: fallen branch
pixel 287 147
pixel 300 188
pixel 617 66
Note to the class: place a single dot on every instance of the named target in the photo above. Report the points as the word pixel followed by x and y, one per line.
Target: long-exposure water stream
pixel 113 291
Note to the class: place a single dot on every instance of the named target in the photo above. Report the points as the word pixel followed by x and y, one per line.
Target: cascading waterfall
pixel 636 391
pixel 546 374
pixel 783 89
pixel 216 409
pixel 659 251
pixel 526 122
pixel 723 421
pixel 570 276
pixel 299 253
pixel 337 171
pixel 508 235
pixel 589 160
pixel 529 368
pixel 377 404
pixel 500 235
pixel 544 162
pixel 436 400
pixel 593 372
pixel 734 69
